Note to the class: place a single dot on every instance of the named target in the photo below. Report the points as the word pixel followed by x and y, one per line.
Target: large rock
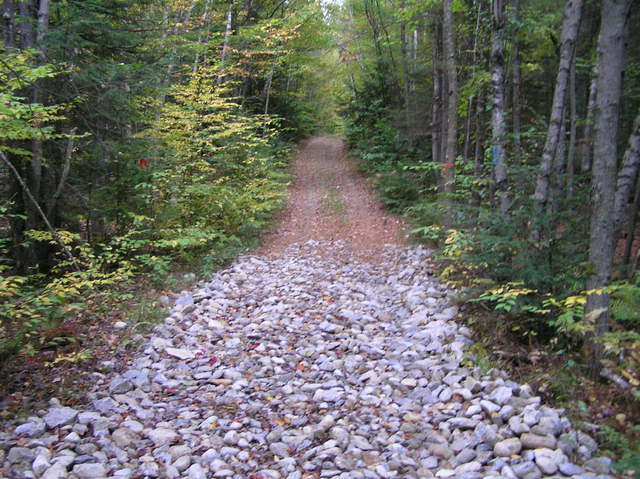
pixel 508 447
pixel 60 416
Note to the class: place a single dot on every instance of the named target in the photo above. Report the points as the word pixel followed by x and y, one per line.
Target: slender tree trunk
pixel 467 129
pixel 570 25
pixel 586 145
pixel 611 54
pixel 452 102
pixel 267 96
pixel 631 231
pixel 478 154
pixel 556 177
pixel 436 107
pixel 37 207
pixel 517 93
pixel 9 23
pixel 470 100
pixel 498 123
pixel 224 56
pixel 26 31
pixel 404 53
pixel 205 21
pixel 627 175
pixel 35 177
pixel 573 114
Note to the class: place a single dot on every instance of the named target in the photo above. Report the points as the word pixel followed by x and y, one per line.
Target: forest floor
pixel 333 351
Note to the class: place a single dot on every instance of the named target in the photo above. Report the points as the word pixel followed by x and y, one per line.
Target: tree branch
pixel 26 189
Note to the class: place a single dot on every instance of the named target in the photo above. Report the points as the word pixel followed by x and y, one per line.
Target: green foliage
pixel 20 118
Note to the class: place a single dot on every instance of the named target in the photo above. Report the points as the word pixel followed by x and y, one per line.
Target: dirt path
pixel 330 200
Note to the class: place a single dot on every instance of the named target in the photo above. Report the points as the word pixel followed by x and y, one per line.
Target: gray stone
pixel 535 441
pixel 161 436
pixel 180 353
pixel 56 471
pixel 196 472
pixel 599 465
pixel 120 385
pixel 35 427
pixel 182 463
pixel 508 447
pixel 40 464
pixel 124 436
pixel 90 471
pixel 21 455
pixel 569 469
pixel 60 416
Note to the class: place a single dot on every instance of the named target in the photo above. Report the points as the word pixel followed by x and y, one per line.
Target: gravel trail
pixel 305 364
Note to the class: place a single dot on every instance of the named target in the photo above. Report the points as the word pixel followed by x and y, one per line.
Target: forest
pixel 140 138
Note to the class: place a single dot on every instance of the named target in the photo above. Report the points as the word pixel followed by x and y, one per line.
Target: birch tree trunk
pixel 225 45
pixel 611 53
pixel 452 102
pixel 498 126
pixel 570 25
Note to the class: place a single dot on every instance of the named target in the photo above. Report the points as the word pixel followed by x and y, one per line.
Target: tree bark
pixel 571 157
pixel 452 102
pixel 517 93
pixel 570 25
pixel 224 56
pixel 627 175
pixel 631 231
pixel 498 124
pixel 611 54
pixel 586 145
pixel 8 23
pixel 436 107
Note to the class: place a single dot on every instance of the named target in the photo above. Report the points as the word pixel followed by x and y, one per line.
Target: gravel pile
pixel 306 366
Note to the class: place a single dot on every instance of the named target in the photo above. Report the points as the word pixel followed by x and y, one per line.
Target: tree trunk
pixel 436 107
pixel 611 54
pixel 627 175
pixel 478 154
pixel 267 96
pixel 571 158
pixel 224 56
pixel 570 25
pixel 498 125
pixel 8 23
pixel 404 53
pixel 631 231
pixel 452 103
pixel 467 129
pixel 517 93
pixel 205 21
pixel 555 179
pixel 586 146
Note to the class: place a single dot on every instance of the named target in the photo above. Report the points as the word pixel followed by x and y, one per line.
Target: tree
pixel 451 132
pixel 498 121
pixel 611 55
pixel 570 25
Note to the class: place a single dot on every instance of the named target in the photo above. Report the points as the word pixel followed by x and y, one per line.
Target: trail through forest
pixel 330 200
pixel 306 361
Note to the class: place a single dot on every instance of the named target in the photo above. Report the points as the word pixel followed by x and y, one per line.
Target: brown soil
pixel 329 200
